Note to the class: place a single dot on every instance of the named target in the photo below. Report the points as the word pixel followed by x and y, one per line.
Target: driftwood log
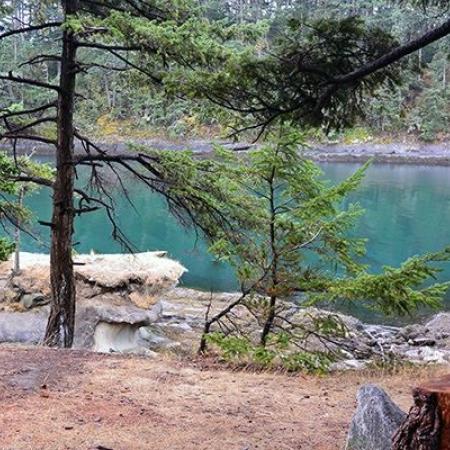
pixel 427 426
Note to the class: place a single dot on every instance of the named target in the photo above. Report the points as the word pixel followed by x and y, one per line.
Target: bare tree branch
pixel 111 46
pixel 13 130
pixel 30 29
pixel 27 111
pixel 38 59
pixel 134 66
pixel 36 83
pixel 394 55
pixel 25 137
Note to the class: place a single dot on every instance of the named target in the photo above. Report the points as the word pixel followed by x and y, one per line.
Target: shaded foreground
pixel 56 399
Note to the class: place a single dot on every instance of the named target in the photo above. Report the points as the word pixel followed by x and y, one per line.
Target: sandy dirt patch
pixel 54 399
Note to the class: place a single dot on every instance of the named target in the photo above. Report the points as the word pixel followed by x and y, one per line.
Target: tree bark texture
pixel 427 426
pixel 61 322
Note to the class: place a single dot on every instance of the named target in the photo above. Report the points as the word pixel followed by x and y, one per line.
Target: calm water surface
pixel 407 213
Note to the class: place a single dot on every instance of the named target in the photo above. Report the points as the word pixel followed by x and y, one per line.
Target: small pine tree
pixel 286 233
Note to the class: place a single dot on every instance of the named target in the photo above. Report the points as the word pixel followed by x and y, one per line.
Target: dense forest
pixel 121 102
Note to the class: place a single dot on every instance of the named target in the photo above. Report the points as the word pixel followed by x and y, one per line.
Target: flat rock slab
pixel 141 276
pixel 125 319
pixel 112 270
pixel 25 327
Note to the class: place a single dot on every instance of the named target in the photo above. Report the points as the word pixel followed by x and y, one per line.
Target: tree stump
pixel 427 426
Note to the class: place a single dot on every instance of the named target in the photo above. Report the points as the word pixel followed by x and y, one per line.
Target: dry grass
pixel 78 400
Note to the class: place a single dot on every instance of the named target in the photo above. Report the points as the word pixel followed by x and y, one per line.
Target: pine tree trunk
pixel 17 242
pixel 269 321
pixel 61 322
pixel 427 426
pixel 274 255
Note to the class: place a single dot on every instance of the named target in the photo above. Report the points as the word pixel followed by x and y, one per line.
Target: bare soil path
pixel 53 399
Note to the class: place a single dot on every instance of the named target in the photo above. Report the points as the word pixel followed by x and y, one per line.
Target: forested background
pixel 118 103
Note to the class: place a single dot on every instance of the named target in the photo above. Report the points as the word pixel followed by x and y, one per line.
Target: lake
pixel 407 213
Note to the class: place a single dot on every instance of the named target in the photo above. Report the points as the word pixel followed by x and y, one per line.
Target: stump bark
pixel 427 426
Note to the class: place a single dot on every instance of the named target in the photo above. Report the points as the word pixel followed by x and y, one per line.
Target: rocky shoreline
pixel 393 153
pixel 136 307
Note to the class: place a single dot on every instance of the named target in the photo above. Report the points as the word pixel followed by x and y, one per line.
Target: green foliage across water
pixel 123 102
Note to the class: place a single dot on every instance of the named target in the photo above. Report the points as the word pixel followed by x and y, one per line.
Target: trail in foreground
pixel 53 399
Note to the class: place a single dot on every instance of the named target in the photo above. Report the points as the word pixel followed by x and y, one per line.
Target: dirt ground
pixel 54 399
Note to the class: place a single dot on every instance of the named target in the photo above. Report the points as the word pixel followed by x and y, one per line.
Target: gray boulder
pixel 439 325
pixel 104 325
pixel 29 301
pixel 375 421
pixel 413 331
pixel 111 324
pixel 25 327
pixel 152 338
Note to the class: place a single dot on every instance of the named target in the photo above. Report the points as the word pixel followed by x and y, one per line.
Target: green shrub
pixel 239 349
pixel 6 248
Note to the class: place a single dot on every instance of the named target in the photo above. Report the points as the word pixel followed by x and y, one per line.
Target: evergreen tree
pixel 432 113
pixel 285 232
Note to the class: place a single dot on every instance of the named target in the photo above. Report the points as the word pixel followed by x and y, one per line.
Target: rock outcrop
pixel 141 276
pixel 131 303
pixel 116 300
pixel 375 421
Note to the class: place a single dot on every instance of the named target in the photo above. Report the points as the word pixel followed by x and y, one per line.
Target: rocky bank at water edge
pixel 393 152
pixel 132 303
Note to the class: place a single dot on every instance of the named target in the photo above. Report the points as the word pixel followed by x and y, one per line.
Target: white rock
pixel 116 269
pixel 350 364
pixel 427 354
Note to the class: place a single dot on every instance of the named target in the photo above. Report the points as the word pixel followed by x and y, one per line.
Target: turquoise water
pixel 407 213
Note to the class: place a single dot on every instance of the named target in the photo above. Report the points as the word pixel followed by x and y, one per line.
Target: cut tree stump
pixel 427 426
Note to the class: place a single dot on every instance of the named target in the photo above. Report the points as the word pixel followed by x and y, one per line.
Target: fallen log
pixel 427 426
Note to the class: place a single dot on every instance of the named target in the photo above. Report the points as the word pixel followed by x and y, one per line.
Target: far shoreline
pixel 416 153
